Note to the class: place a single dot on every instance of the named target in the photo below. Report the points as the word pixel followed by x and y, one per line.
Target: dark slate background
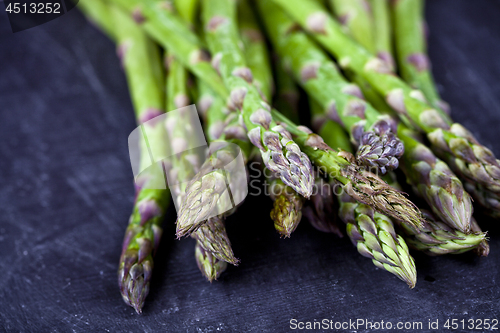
pixel 66 194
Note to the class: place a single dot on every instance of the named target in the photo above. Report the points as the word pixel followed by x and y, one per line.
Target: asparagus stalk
pixel 359 183
pixel 255 50
pixel 382 31
pixel 279 153
pixel 438 238
pixel 450 141
pixel 357 17
pixel 209 265
pixel 186 9
pixel 374 236
pixel 371 232
pixel 287 203
pixel 341 100
pixel 414 64
pixel 287 207
pixel 173 33
pixel 435 238
pixel 372 42
pixel 432 179
pixel 287 94
pixel 98 13
pixel 141 61
pixel 211 236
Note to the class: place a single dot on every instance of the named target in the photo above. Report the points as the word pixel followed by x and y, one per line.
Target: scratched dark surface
pixel 66 195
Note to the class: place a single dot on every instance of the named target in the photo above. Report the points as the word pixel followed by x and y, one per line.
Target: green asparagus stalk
pixel 255 50
pixel 356 16
pixel 374 236
pixel 98 13
pixel 450 141
pixel 438 238
pixel 483 249
pixel 382 31
pixel 142 64
pixel 279 153
pixel 371 232
pixel 212 243
pixel 372 132
pixel 287 207
pixel 287 203
pixel 359 183
pixel 173 33
pixel 287 94
pixel 432 179
pixel 186 9
pixel 413 61
pixel 211 236
pixel 365 14
pixel 435 238
pixel 210 267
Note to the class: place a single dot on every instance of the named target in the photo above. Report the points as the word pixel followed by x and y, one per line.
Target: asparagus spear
pixel 371 232
pixel 356 16
pixel 287 203
pixel 142 65
pixel 158 19
pixel 287 94
pixel 287 207
pixel 436 183
pixel 359 183
pixel 438 238
pixel 341 100
pixel 98 13
pixel 211 236
pixel 435 238
pixel 374 236
pixel 382 30
pixel 186 9
pixel 413 61
pixel 450 141
pixel 210 267
pixel 375 43
pixel 255 50
pixel 279 153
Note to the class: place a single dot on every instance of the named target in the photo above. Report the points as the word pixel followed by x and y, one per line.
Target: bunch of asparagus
pixel 368 124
